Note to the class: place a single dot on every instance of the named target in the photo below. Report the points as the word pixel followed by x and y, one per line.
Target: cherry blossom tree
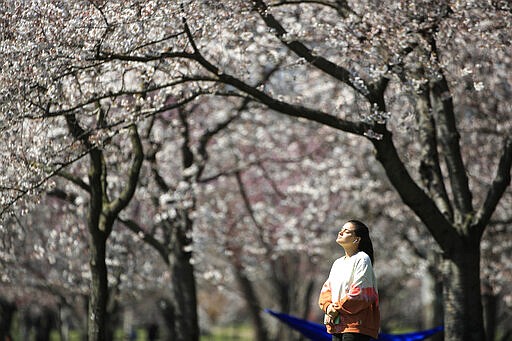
pixel 95 106
pixel 177 159
pixel 42 267
pixel 414 73
pixel 104 208
pixel 45 265
pixel 414 79
pixel 275 221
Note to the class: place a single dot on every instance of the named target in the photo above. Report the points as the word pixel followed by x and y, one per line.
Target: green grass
pixel 226 333
pixel 118 336
pixel 230 333
pixel 242 332
pixel 73 336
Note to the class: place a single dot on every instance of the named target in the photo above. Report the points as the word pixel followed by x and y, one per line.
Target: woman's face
pixel 347 235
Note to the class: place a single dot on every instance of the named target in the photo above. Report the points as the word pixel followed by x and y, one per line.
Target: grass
pixel 226 333
pixel 118 336
pixel 230 333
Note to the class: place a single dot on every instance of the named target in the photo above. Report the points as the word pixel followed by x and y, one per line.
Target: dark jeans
pixel 350 337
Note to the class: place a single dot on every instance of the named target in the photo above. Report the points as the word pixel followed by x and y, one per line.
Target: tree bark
pixel 432 300
pixel 463 307
pixel 184 299
pixel 460 244
pixel 102 214
pixel 97 312
pixel 261 333
pixel 490 307
pixel 44 323
pixel 167 309
pixel 7 310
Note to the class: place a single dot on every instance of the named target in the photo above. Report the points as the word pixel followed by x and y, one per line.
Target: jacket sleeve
pixel 325 296
pixel 363 291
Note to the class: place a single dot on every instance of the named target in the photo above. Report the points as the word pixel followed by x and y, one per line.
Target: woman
pixel 349 297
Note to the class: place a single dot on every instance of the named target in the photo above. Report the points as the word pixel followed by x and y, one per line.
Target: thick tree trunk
pixel 432 300
pixel 186 324
pixel 99 288
pixel 462 298
pixel 463 318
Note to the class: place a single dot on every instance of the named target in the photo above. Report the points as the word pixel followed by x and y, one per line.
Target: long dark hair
pixel 362 231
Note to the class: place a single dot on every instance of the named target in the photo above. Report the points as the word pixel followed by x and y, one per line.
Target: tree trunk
pixel 308 293
pixel 294 293
pixel 463 307
pixel 99 288
pixel 44 324
pixel 114 316
pixel 463 320
pixel 432 300
pixel 490 307
pixel 101 217
pixel 7 310
pixel 167 310
pixel 284 290
pixel 63 322
pixel 183 283
pixel 252 300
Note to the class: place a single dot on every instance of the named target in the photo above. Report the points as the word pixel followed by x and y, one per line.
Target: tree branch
pixel 274 266
pixel 412 195
pixel 358 128
pixel 239 169
pixel 430 171
pixel 271 181
pixel 497 188
pixel 133 177
pixel 210 133
pixel 160 181
pixel 146 237
pixel 340 6
pixel 301 50
pixel 449 137
pixel 75 179
pixel 95 99
pixel 187 156
pixel 24 191
pixel 76 131
pixel 62 195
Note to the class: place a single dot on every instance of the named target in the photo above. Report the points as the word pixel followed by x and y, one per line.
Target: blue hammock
pixel 317 332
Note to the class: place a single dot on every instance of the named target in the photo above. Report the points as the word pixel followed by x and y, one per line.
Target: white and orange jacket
pixel 352 288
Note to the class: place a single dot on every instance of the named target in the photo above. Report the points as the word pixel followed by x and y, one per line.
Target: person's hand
pixel 331 311
pixel 329 320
